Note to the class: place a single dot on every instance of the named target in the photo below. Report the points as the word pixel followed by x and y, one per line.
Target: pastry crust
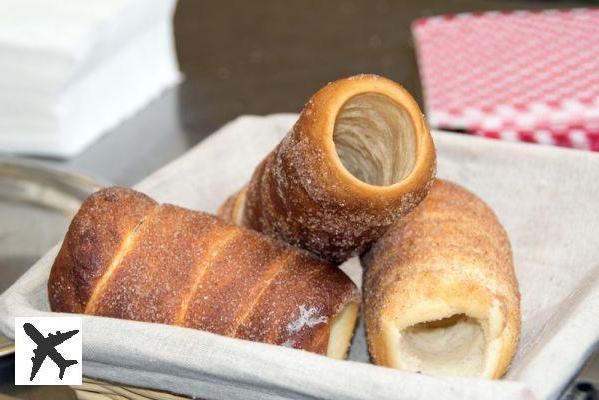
pixel 440 292
pixel 125 256
pixel 359 157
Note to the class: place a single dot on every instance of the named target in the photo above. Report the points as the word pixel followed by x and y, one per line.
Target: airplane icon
pixel 46 347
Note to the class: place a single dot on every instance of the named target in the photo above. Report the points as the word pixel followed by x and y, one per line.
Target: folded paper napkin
pixel 521 75
pixel 71 70
pixel 557 264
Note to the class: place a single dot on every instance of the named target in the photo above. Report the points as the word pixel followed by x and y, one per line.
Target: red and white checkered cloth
pixel 520 75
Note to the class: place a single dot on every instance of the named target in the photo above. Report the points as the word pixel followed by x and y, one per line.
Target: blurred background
pixel 235 57
pixel 261 58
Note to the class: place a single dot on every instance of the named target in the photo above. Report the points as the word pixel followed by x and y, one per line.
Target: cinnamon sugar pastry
pixel 125 256
pixel 440 292
pixel 359 157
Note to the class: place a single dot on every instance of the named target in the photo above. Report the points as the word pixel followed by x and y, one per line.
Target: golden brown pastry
pixel 440 292
pixel 125 256
pixel 359 157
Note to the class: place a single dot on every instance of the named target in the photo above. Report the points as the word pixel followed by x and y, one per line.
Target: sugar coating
pixel 308 317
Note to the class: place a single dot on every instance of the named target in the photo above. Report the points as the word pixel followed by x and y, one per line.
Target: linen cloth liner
pixel 545 197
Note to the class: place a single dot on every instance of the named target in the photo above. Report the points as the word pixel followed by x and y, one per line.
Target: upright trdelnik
pixel 359 157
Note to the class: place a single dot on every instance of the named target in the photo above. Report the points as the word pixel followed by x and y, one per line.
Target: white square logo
pixel 48 351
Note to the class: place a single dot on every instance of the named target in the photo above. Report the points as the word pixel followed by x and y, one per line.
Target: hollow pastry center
pixel 450 346
pixel 375 139
pixel 342 330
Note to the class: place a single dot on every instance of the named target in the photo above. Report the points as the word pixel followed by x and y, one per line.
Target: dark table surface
pixel 260 57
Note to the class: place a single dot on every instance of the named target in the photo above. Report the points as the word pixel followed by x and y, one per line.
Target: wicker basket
pixel 6 346
pixel 93 389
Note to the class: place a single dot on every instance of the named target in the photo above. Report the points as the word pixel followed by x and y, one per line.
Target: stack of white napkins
pixel 71 70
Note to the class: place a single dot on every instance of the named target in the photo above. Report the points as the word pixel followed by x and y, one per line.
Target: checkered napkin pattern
pixel 529 76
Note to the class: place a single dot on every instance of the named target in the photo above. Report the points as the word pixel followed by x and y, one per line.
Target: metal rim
pixel 34 182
